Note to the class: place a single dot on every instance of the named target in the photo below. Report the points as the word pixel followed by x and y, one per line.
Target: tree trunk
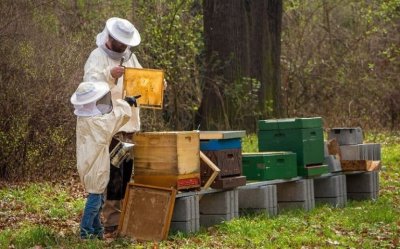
pixel 242 40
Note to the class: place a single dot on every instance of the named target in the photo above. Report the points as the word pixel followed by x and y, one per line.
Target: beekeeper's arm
pixel 98 68
pixel 120 115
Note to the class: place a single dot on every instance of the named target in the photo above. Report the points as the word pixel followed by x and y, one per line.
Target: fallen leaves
pixel 33 204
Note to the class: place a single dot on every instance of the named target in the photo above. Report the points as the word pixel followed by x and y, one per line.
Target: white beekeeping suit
pixel 97 121
pixel 101 60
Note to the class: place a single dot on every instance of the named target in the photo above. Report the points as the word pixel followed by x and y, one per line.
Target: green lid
pixel 267 153
pixel 289 123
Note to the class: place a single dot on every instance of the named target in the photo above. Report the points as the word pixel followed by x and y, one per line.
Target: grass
pixel 48 216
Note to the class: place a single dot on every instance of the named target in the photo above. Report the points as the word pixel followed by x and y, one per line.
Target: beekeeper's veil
pixel 91 99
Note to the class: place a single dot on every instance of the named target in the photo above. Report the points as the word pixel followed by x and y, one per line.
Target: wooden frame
pixel 149 83
pixel 213 167
pixel 147 212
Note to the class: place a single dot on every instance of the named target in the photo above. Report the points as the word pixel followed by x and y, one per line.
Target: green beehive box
pixel 263 166
pixel 304 136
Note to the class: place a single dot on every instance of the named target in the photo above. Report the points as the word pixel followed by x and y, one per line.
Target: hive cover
pixel 147 212
pixel 149 83
pixel 221 134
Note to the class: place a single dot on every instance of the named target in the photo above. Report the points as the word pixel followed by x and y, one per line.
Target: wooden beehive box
pixel 224 149
pixel 167 159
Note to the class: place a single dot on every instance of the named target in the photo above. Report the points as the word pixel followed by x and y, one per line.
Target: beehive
pixel 223 148
pixel 264 166
pixel 304 136
pixel 167 159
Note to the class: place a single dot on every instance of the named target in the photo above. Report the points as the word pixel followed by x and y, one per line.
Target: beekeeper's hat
pixel 88 92
pixel 123 31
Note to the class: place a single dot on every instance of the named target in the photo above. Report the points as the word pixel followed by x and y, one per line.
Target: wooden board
pixel 229 182
pixel 149 83
pixel 221 134
pixel 360 165
pixel 147 212
pixel 334 148
pixel 179 182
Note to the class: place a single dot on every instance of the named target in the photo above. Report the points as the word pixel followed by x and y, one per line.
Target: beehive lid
pixel 204 135
pixel 267 153
pixel 290 123
pixel 149 83
pixel 161 133
pixel 147 212
pixel 356 129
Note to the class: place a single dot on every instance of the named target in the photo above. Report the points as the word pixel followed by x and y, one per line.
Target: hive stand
pixel 298 194
pixel 258 199
pixel 331 190
pixel 218 207
pixel 363 185
pixel 186 216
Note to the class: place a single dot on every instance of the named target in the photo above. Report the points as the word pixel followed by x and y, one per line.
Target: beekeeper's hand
pixel 132 100
pixel 117 72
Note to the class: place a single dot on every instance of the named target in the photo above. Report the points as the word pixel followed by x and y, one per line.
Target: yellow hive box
pixel 149 83
pixel 167 159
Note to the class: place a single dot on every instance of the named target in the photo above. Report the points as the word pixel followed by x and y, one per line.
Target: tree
pixel 242 54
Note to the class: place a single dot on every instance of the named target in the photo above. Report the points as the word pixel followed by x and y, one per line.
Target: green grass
pixel 48 216
pixel 250 143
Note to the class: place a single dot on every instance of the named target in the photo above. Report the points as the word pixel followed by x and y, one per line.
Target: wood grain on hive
pixel 167 159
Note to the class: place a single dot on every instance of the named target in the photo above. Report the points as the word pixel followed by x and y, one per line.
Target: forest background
pixel 339 60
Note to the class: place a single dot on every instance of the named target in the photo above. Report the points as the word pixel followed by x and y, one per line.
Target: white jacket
pixel 98 67
pixel 93 137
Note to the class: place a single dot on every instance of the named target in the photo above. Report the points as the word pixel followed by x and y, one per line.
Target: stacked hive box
pixel 304 136
pixel 167 159
pixel 223 148
pixel 265 166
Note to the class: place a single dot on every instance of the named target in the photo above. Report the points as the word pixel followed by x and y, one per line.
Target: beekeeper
pixel 98 119
pixel 114 45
